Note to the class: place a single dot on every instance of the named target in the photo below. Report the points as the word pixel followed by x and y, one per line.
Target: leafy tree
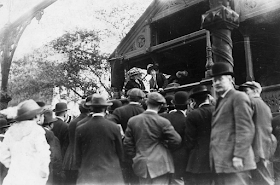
pixel 86 68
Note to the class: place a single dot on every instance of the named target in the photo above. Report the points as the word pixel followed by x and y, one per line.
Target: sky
pixel 61 16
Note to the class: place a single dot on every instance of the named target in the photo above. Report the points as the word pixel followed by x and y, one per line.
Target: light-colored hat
pixel 28 110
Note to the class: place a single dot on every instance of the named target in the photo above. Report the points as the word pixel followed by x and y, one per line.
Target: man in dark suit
pixel 197 136
pixel 158 80
pixel 231 152
pixel 98 147
pixel 147 139
pixel 177 119
pixel 264 143
pixel 60 128
pixel 121 116
pixel 71 170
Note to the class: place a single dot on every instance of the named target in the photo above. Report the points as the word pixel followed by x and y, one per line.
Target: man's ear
pixel 51 125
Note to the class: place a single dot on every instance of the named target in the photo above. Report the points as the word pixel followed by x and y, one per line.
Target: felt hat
pixel 97 101
pixel 150 67
pixel 180 98
pixel 136 92
pixel 60 107
pixel 252 85
pixel 222 68
pixel 156 98
pixel 48 117
pixel 28 110
pixel 201 89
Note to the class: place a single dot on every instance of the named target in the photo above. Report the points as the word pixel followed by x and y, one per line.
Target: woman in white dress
pixel 24 149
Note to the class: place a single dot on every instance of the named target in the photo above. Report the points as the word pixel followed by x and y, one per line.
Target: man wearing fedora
pixel 121 116
pixel 57 175
pixel 264 143
pixel 158 80
pixel 3 126
pixel 232 134
pixel 24 149
pixel 98 147
pixel 60 128
pixel 148 138
pixel 177 119
pixel 69 167
pixel 134 81
pixel 197 137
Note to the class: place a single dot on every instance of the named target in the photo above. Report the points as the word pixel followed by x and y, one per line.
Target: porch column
pixel 248 57
pixel 220 20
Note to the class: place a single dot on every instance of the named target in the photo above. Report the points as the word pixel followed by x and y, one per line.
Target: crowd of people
pixel 185 138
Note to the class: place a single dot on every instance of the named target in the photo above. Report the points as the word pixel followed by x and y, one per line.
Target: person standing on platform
pixel 178 120
pixel 98 147
pixel 60 128
pixel 197 138
pixel 264 144
pixel 134 81
pixel 148 138
pixel 233 130
pixel 158 81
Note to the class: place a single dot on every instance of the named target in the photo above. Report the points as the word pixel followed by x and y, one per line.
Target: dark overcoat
pixel 60 130
pixel 197 138
pixel 122 114
pixel 68 162
pixel 147 138
pixel 232 133
pixel 99 152
pixel 180 155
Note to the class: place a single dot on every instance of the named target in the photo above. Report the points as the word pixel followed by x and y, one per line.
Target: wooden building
pixel 175 34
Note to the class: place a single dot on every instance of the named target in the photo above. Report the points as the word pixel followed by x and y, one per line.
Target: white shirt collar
pixel 59 117
pixel 134 103
pixel 150 110
pixel 98 114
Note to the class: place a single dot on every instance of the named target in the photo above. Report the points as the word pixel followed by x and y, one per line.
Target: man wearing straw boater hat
pixel 197 134
pixel 147 139
pixel 98 147
pixel 60 128
pixel 177 118
pixel 232 134
pixel 24 149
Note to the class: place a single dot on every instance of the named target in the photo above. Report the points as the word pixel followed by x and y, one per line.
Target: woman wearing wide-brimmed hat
pixel 24 149
pixel 134 80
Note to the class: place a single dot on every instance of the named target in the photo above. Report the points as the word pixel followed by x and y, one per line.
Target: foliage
pixel 86 68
